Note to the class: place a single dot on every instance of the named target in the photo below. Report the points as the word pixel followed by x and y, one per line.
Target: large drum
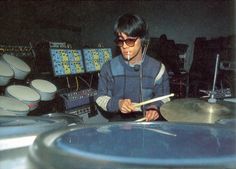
pixel 25 94
pixel 6 73
pixel 20 68
pixel 136 146
pixel 46 89
pixel 12 107
pixel 17 134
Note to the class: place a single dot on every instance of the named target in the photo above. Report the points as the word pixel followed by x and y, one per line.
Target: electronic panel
pixel 67 61
pixel 95 58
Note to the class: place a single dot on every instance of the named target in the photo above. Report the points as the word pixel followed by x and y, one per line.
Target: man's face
pixel 130 46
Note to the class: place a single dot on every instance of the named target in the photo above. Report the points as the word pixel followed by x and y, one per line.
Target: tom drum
pixel 46 89
pixel 20 68
pixel 12 107
pixel 6 73
pixel 25 94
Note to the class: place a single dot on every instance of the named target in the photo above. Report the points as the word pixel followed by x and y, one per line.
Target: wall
pixel 91 22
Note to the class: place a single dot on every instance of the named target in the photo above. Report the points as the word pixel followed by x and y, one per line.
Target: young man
pixel 132 76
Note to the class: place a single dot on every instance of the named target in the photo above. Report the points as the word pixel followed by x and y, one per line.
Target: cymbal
pixel 197 110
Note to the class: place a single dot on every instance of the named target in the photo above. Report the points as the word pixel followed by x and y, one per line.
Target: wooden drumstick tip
pixel 153 100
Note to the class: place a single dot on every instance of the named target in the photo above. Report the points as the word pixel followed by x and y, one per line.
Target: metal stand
pixel 212 98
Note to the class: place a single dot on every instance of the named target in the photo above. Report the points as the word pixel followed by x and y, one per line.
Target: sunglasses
pixel 129 42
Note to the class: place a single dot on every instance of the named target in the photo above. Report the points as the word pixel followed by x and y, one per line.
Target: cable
pixel 84 81
pixel 77 83
pixel 141 75
pixel 91 80
pixel 68 83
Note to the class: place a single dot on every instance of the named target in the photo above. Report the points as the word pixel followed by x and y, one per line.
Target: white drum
pixel 17 134
pixel 12 107
pixel 6 73
pixel 46 89
pixel 25 94
pixel 21 69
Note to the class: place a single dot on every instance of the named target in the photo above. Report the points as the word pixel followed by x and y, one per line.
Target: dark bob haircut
pixel 131 25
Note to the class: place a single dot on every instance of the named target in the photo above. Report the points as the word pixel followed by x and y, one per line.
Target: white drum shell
pixel 46 89
pixel 6 73
pixel 11 113
pixel 20 92
pixel 14 145
pixel 12 107
pixel 20 68
pixel 4 80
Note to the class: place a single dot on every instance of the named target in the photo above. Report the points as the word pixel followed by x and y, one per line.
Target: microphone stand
pixel 141 76
pixel 212 94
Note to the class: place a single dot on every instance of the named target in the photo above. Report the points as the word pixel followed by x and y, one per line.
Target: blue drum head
pixel 138 145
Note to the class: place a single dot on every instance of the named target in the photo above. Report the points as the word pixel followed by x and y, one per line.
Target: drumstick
pixel 142 119
pixel 153 100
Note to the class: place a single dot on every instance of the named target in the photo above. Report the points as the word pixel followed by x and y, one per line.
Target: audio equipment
pixel 66 61
pixel 16 50
pixel 60 45
pixel 83 111
pixel 75 99
pixel 95 58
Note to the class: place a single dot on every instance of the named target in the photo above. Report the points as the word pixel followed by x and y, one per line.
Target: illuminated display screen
pixel 95 58
pixel 67 61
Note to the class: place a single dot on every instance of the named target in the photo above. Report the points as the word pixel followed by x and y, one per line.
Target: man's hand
pixel 152 114
pixel 126 106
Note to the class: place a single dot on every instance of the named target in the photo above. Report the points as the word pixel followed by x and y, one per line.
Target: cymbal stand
pixel 212 97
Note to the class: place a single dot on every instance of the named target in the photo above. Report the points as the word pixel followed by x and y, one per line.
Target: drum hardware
pixel 218 94
pixel 212 94
pixel 233 100
pixel 197 110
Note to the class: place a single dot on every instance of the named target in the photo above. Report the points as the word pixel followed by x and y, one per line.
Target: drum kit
pixel 197 135
pixel 38 90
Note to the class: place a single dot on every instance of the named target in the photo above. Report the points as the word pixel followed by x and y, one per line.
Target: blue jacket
pixel 118 80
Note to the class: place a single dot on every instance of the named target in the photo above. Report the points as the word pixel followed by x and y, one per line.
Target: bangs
pixel 131 25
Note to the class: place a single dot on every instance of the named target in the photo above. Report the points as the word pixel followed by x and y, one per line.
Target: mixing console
pixel 76 99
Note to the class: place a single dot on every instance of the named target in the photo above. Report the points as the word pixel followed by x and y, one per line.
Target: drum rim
pixel 24 67
pixel 52 86
pixel 35 93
